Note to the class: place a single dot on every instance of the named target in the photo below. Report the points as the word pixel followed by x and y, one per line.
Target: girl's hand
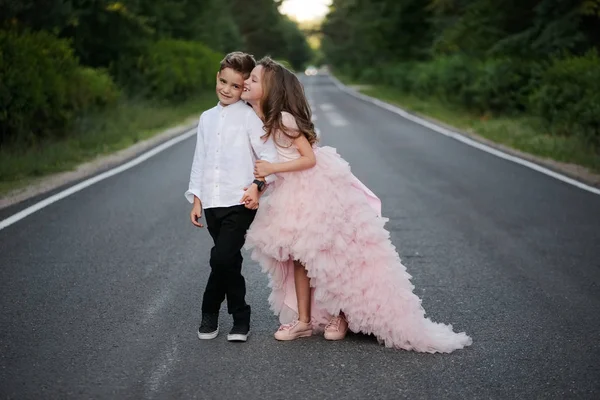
pixel 250 197
pixel 263 169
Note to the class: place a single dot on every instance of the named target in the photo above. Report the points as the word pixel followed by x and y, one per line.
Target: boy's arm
pixel 265 150
pixel 195 185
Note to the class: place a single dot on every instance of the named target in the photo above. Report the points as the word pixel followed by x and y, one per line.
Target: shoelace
pixel 285 327
pixel 334 323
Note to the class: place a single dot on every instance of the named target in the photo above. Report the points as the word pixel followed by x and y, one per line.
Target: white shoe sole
pixel 238 337
pixel 206 336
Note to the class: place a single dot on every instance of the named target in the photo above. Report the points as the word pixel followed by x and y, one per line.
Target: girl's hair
pixel 282 91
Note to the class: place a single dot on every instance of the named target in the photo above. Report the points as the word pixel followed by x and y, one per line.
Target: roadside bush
pixel 174 70
pixel 350 71
pixel 371 75
pixel 568 98
pixel 454 77
pixel 423 80
pixel 398 76
pixel 42 87
pixel 93 89
pixel 502 86
pixel 35 73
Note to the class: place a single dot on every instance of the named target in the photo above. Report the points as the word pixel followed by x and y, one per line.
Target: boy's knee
pixel 222 261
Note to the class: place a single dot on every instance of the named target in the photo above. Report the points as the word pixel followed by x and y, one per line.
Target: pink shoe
pixel 337 328
pixel 294 330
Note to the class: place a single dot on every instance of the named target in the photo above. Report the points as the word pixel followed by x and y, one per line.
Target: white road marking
pixel 330 112
pixel 464 139
pixel 162 369
pixel 335 119
pixel 89 182
pixel 158 304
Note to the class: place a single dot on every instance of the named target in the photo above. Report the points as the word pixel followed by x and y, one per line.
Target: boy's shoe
pixel 209 327
pixel 294 330
pixel 337 328
pixel 239 332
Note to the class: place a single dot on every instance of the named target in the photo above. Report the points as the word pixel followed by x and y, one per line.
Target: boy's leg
pixel 228 258
pixel 214 294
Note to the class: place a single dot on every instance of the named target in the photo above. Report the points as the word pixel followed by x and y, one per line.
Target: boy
pixel 228 143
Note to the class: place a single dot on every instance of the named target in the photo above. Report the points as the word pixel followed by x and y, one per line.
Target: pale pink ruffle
pixel 324 217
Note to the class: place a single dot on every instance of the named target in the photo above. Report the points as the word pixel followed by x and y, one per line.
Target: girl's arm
pixel 306 160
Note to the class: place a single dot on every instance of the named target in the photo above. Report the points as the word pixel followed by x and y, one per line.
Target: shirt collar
pixel 222 108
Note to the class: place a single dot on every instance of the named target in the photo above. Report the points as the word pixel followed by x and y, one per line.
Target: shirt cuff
pixel 190 193
pixel 271 178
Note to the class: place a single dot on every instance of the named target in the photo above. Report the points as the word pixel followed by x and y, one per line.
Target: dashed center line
pixel 331 114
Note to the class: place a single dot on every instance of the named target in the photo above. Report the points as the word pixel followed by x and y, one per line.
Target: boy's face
pixel 229 86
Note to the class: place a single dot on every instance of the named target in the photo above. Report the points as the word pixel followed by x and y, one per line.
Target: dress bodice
pixel 286 148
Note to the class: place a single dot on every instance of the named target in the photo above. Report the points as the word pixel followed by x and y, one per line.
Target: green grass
pixel 522 133
pixel 96 135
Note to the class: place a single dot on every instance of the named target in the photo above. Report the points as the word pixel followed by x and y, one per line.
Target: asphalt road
pixel 101 291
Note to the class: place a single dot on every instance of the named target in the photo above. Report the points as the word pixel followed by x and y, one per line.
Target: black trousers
pixel 227 226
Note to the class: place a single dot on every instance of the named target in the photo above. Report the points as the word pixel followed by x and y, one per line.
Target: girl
pixel 320 228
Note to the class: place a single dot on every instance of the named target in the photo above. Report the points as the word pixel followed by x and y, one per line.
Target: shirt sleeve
pixel 196 176
pixel 265 150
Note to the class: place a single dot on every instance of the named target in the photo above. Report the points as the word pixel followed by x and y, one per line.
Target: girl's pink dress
pixel 331 222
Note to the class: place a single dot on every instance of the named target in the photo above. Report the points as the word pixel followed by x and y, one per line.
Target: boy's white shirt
pixel 228 142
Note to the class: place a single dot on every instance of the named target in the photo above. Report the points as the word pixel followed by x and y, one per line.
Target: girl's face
pixel 253 89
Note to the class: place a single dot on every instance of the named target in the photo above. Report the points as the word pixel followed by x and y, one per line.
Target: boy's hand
pixel 263 168
pixel 250 197
pixel 196 213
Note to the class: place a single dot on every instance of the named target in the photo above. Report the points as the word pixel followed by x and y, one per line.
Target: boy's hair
pixel 239 62
pixel 282 91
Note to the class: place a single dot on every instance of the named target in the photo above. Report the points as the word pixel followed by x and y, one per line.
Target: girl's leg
pixel 302 283
pixel 301 327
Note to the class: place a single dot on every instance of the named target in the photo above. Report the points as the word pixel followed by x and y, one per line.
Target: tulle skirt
pixel 327 219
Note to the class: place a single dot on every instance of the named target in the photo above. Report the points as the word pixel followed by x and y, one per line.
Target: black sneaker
pixel 209 328
pixel 239 332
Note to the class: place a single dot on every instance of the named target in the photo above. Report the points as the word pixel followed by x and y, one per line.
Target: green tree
pixel 267 32
pixel 297 51
pixel 364 32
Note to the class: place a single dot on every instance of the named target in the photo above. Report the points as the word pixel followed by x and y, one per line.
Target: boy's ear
pixel 218 74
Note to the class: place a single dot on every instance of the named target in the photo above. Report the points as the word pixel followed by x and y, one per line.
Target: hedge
pixel 175 69
pixel 43 87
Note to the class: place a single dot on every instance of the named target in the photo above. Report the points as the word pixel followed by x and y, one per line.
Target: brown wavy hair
pixel 282 91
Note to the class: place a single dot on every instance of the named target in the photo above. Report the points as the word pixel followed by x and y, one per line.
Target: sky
pixel 305 10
